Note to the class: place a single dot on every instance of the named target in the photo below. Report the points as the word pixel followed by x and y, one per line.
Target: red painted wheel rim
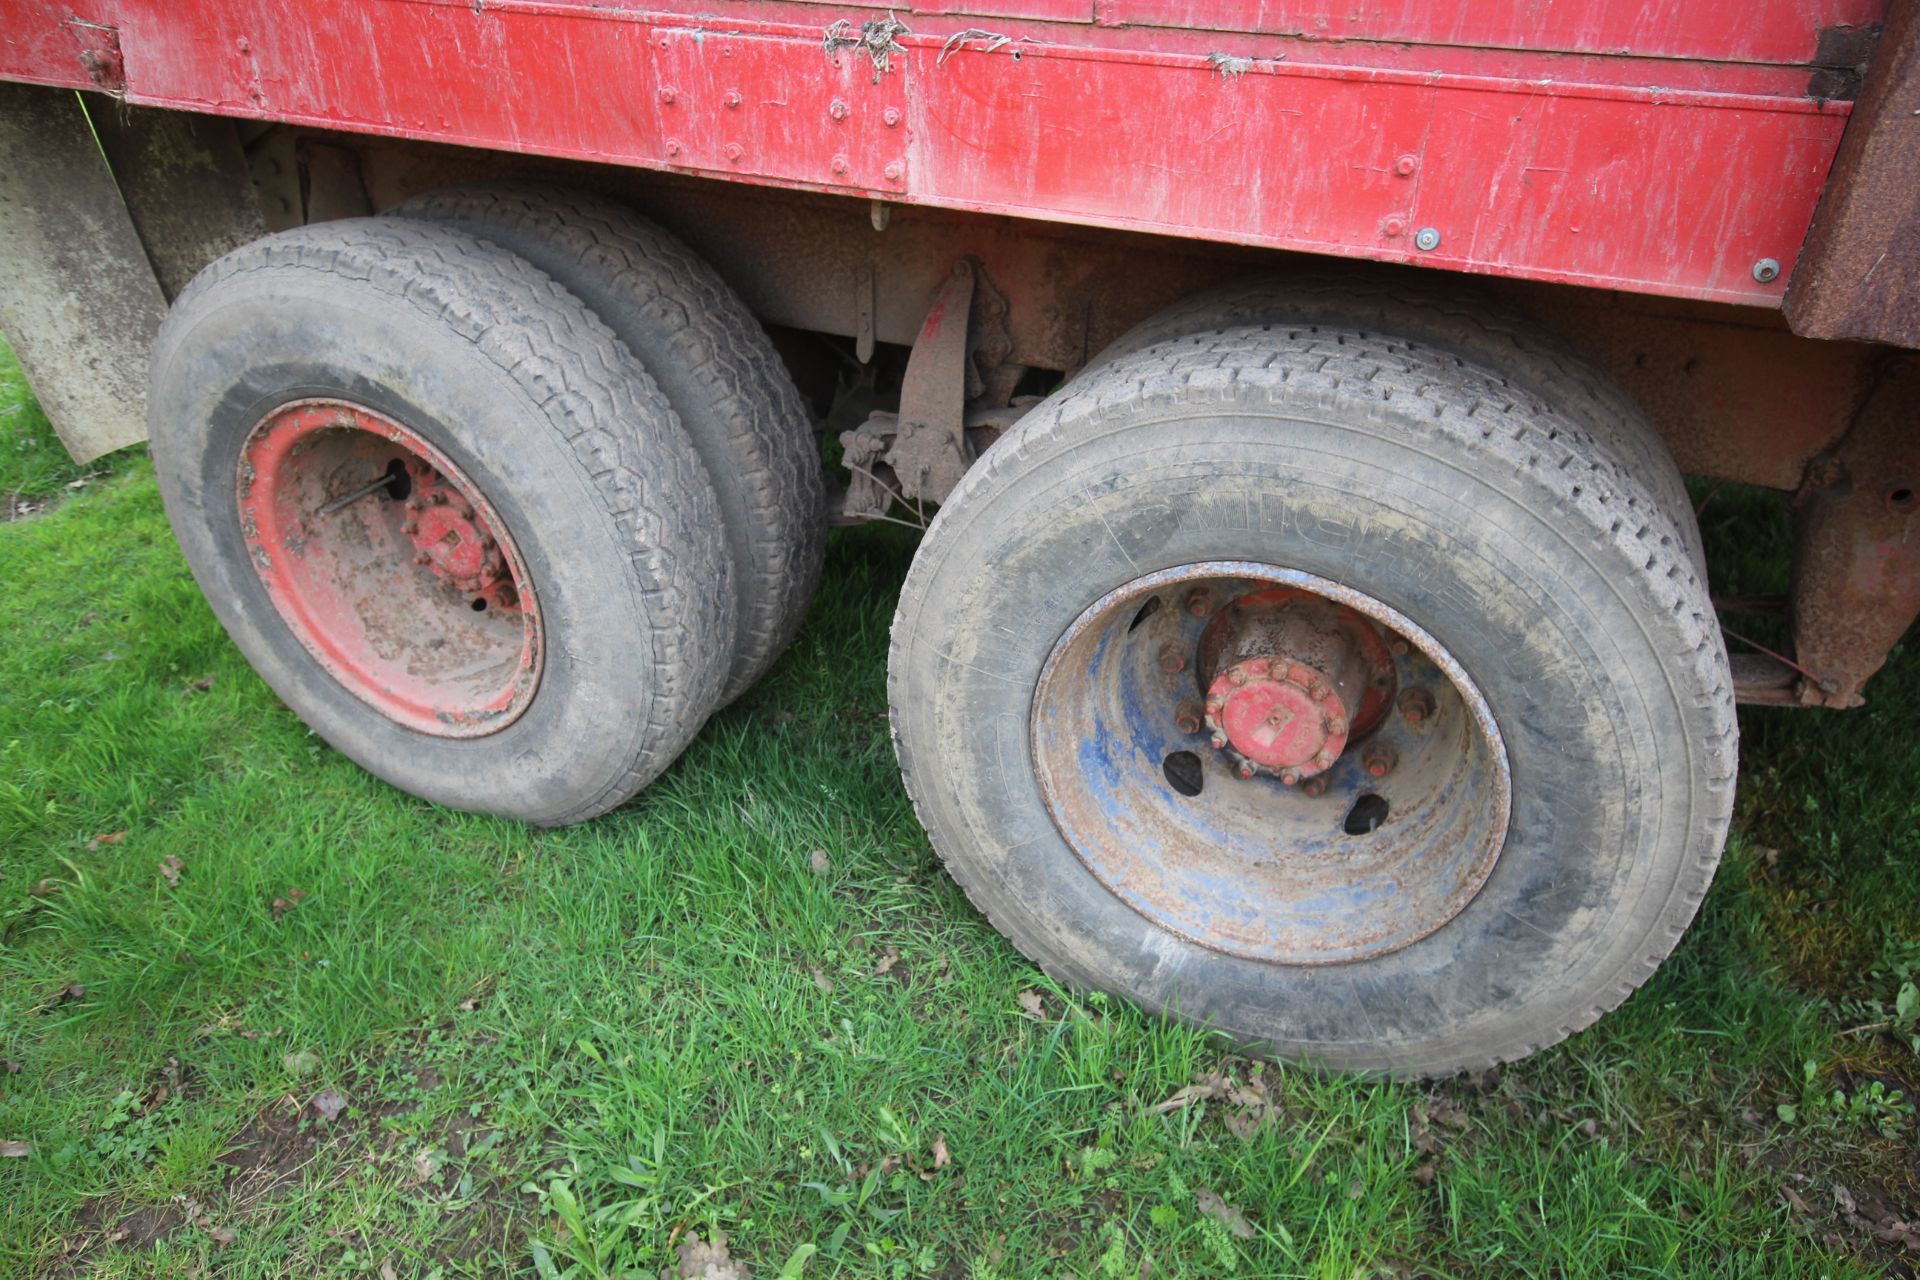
pixel 410 593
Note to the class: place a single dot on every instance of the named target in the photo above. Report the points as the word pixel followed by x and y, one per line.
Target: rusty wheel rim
pixel 1270 764
pixel 391 568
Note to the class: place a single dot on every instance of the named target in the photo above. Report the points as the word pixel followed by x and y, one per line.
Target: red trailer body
pixel 1671 147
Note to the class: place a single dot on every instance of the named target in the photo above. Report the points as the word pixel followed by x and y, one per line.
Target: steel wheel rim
pixel 1254 866
pixel 411 593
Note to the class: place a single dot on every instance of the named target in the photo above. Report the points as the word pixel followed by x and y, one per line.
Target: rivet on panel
pixel 667 95
pixel 838 110
pixel 733 98
pixel 1405 165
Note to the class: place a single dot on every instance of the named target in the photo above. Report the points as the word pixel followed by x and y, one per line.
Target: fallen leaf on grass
pixel 888 959
pixel 9 1066
pixel 170 867
pixel 1225 1214
pixel 941 1156
pixel 1032 1003
pixel 112 837
pixel 820 862
pixel 426 1164
pixel 1426 1173
pixel 45 888
pixel 201 685
pixel 328 1104
pixel 283 905
pixel 387 1272
pixel 14 1150
pixel 301 1063
pixel 219 1235
pixel 821 980
pixel 72 991
pixel 700 1261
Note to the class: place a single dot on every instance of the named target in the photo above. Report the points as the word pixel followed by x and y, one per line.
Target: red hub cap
pixel 1291 678
pixel 391 568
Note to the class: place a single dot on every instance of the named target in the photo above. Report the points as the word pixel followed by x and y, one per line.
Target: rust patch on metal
pixel 1840 61
pixel 1856 564
pixel 1859 270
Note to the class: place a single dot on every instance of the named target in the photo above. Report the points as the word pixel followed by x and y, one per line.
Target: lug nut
pixel 1219 741
pixel 1397 645
pixel 1188 718
pixel 1200 602
pixel 1337 726
pixel 1173 658
pixel 1288 777
pixel 1314 786
pixel 1416 706
pixel 1379 759
pixel 1246 770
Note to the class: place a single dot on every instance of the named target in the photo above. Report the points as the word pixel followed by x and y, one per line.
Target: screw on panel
pixel 1405 165
pixel 1767 270
pixel 1426 239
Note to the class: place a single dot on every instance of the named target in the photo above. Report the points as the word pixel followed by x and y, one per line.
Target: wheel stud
pixel 1379 759
pixel 1314 786
pixel 1219 741
pixel 1288 777
pixel 1416 706
pixel 1397 645
pixel 1173 658
pixel 1246 770
pixel 1189 718
pixel 1200 602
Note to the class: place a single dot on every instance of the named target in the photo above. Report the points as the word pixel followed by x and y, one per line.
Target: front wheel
pixel 1317 689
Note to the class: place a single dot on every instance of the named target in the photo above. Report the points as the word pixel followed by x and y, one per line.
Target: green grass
pixel 33 465
pixel 570 1049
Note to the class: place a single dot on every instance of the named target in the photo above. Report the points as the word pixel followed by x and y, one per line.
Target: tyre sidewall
pixel 262 343
pixel 1596 871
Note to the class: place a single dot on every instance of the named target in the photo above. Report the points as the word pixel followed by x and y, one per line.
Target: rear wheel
pixel 714 364
pixel 444 514
pixel 1315 688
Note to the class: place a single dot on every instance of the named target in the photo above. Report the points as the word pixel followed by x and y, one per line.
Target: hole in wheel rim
pixel 411 593
pixel 1250 865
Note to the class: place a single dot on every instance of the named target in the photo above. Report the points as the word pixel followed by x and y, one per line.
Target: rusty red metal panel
pixel 1860 277
pixel 1652 172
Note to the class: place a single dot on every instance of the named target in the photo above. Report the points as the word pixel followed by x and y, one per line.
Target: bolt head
pixel 1200 602
pixel 838 109
pixel 892 117
pixel 667 95
pixel 1236 676
pixel 1767 270
pixel 1427 239
pixel 1173 658
pixel 1289 777
pixel 895 171
pixel 1405 165
pixel 733 98
pixel 1377 768
pixel 1219 742
pixel 1315 786
pixel 1245 769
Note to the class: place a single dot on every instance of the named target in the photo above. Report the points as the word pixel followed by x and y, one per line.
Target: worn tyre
pixel 715 365
pixel 1460 321
pixel 524 618
pixel 1511 556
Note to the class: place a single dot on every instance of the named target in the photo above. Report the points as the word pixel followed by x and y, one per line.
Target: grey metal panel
pixel 184 180
pixel 78 299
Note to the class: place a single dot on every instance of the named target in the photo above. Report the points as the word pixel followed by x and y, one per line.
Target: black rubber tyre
pixel 1462 322
pixel 717 369
pixel 1497 523
pixel 513 378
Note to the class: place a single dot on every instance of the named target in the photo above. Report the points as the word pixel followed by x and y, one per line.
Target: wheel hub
pixel 390 567
pixel 1298 678
pixel 1403 792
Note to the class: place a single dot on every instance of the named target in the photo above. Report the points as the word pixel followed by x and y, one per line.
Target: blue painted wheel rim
pixel 1248 866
